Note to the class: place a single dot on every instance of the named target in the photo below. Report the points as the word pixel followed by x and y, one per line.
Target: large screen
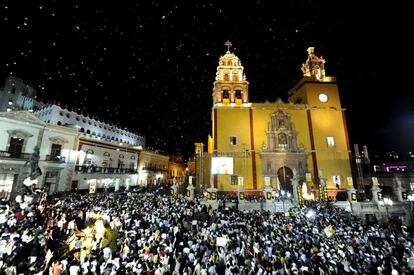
pixel 221 166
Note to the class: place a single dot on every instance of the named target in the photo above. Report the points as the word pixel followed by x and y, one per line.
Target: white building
pixel 54 114
pixel 17 95
pixel 69 160
pixel 20 132
pixel 101 162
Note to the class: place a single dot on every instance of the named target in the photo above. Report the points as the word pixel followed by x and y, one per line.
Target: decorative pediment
pixel 18 133
pixel 58 140
pixel 280 121
pixel 281 134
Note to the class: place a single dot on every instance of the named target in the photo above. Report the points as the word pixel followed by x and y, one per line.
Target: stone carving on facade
pixel 282 150
pixel 314 67
pixel 17 133
pixel 58 140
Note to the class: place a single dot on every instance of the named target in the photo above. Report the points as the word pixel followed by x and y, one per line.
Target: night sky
pixel 150 67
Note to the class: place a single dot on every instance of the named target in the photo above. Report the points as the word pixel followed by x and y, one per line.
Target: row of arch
pixel 231 95
pixel 108 137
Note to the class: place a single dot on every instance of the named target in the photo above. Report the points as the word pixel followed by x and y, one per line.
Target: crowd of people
pixel 152 232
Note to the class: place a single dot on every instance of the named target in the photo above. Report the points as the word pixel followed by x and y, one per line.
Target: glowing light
pixel 311 214
pixel 388 201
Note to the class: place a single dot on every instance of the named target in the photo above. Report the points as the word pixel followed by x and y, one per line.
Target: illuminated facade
pixel 153 168
pixel 272 142
pixel 20 133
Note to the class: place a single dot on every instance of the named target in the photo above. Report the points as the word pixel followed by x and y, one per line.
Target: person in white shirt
pixel 107 253
pixel 74 269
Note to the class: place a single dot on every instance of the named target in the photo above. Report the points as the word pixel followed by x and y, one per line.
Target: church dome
pixel 230 60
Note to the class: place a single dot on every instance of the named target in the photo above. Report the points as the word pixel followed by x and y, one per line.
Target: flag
pixel 329 231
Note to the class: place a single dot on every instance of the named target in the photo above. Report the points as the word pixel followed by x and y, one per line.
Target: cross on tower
pixel 228 44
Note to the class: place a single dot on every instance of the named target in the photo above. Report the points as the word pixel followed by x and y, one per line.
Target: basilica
pixel 255 145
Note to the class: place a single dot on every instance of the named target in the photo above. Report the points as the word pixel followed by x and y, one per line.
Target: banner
pixel 375 181
pixel 353 196
pixel 213 195
pixel 336 179
pixel 308 177
pixel 267 181
pixel 379 196
pixel 269 196
pixel 92 186
pixel 240 179
pixel 190 180
pixel 349 181
pixel 241 196
pixel 234 179
pixel 221 241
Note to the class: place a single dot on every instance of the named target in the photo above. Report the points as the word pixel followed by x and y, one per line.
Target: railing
pixel 89 169
pixel 14 155
pixel 55 158
pixel 154 169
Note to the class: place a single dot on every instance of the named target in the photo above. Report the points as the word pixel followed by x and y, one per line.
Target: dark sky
pixel 150 66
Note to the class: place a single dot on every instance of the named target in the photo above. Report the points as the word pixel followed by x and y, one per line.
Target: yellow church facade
pixel 253 145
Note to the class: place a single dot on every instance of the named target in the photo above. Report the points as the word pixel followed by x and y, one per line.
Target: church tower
pixel 230 85
pixel 315 88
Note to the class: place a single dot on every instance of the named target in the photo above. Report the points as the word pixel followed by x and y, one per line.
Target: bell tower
pixel 230 85
pixel 315 88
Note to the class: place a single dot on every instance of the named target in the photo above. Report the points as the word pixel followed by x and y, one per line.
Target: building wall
pixel 11 125
pixel 20 94
pixel 42 135
pixel 176 172
pixel 152 166
pixel 55 115
pixel 105 155
pixel 312 123
pixel 98 160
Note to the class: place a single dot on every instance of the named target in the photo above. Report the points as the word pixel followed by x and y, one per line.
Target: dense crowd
pixel 159 234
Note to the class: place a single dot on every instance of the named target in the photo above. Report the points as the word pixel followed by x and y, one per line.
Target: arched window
pixel 226 77
pixel 88 131
pixel 59 123
pixel 235 77
pixel 226 94
pixel 238 94
pixel 82 130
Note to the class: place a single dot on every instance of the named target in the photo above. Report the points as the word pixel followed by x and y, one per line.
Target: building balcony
pixel 155 169
pixel 55 158
pixel 14 155
pixel 90 169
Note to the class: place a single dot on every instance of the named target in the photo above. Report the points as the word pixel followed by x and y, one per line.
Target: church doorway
pixel 285 175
